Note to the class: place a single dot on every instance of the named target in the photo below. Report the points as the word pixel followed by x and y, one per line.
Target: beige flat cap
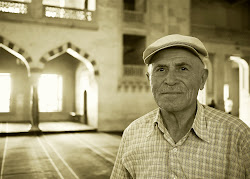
pixel 175 40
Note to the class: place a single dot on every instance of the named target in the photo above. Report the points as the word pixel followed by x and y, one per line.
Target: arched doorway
pixel 77 74
pixel 15 87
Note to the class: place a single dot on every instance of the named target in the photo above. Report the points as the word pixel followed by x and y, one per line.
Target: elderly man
pixel 182 138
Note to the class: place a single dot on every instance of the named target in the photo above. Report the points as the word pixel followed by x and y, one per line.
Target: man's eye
pixel 161 69
pixel 183 68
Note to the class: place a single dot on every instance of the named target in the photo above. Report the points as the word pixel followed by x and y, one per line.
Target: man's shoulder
pixel 144 121
pixel 220 118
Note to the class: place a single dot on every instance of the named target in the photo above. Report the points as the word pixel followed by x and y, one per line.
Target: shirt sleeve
pixel 246 153
pixel 119 171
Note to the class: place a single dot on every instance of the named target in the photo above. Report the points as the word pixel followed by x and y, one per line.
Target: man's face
pixel 175 76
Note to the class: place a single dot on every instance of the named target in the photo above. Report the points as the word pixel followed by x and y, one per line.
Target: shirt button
pixel 175 150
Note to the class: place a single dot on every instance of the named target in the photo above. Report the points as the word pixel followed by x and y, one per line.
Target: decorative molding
pixel 63 49
pixel 96 73
pixel 29 59
pixel 15 48
pixel 133 85
pixel 93 62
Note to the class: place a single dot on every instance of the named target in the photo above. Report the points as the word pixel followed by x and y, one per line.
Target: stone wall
pixel 115 99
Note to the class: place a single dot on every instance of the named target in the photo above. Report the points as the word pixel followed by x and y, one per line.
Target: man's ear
pixel 203 78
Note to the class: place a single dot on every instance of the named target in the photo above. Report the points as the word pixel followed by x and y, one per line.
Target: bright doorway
pixel 50 90
pixel 5 92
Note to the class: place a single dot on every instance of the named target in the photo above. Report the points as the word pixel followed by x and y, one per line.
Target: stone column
pixel 35 74
pixel 36 9
pixel 219 59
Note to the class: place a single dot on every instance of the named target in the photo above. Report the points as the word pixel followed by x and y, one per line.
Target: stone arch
pixel 75 52
pixel 91 71
pixel 16 51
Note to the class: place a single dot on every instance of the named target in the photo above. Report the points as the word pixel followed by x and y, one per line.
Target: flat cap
pixel 175 40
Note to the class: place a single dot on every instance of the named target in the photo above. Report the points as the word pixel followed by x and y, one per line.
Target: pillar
pixel 36 10
pixel 219 59
pixel 35 74
pixel 244 101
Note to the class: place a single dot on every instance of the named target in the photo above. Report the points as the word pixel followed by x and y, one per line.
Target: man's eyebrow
pixel 161 65
pixel 183 64
pixel 176 64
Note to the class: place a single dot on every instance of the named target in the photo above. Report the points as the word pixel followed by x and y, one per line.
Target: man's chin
pixel 171 107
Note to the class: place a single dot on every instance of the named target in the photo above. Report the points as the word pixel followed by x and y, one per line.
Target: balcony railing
pixel 68 13
pixel 33 11
pixel 133 16
pixel 134 70
pixel 14 7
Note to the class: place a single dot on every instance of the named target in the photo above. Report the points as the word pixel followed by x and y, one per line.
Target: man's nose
pixel 170 78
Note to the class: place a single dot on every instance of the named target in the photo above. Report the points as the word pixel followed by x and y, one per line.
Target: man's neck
pixel 178 123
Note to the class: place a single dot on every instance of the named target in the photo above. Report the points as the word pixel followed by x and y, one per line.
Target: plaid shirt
pixel 217 147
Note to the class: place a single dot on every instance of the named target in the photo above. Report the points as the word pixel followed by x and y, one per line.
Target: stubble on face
pixel 181 91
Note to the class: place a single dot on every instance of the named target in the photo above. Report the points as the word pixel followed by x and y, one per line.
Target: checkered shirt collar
pixel 199 126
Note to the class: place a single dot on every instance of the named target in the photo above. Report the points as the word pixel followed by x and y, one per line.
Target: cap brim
pixel 148 58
